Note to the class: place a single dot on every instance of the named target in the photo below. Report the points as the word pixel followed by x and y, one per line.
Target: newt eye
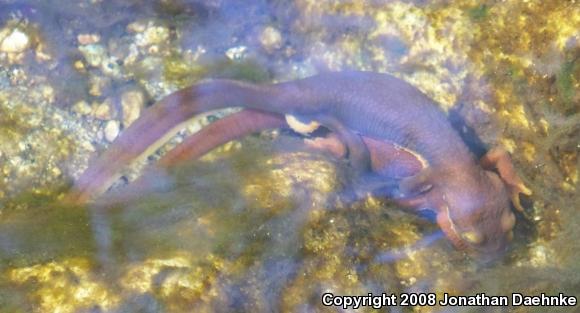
pixel 472 237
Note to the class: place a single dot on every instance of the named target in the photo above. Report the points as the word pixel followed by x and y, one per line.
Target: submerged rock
pixel 99 85
pixel 103 111
pixel 94 54
pixel 15 41
pixel 271 39
pixel 112 129
pixel 82 108
pixel 132 102
pixel 151 35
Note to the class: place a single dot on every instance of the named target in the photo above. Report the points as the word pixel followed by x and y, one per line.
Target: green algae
pixel 183 73
pixel 248 70
pixel 479 12
pixel 41 231
pixel 11 130
pixel 566 79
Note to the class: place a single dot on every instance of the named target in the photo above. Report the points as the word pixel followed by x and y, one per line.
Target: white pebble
pixel 112 130
pixel 271 39
pixel 16 42
pixel 237 53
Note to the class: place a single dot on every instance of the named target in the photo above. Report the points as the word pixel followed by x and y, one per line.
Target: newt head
pixel 474 213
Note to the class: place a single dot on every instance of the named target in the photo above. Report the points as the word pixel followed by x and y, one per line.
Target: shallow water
pixel 259 225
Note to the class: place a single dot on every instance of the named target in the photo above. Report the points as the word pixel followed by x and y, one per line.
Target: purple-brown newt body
pixel 374 116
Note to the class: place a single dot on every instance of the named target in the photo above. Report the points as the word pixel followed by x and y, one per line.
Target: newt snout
pixel 480 219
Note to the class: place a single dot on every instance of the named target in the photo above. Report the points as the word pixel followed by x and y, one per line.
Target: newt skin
pixel 372 114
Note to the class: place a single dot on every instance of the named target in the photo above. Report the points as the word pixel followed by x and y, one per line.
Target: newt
pixel 382 122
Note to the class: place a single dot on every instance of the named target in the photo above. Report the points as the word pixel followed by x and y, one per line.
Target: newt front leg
pixel 499 159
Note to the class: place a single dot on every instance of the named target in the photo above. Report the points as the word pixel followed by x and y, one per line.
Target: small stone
pixel 98 85
pixel 103 111
pixel 56 172
pixel 80 66
pixel 137 27
pixel 271 39
pixel 48 93
pixel 132 56
pixel 18 76
pixel 87 39
pixel 112 130
pixel 41 53
pixel 94 54
pixel 16 42
pixel 119 48
pixel 82 108
pixel 111 68
pixel 152 35
pixel 237 53
pixel 153 49
pixel 132 102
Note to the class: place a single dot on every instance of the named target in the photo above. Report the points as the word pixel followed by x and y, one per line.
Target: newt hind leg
pixel 343 141
pixel 330 143
pixel 394 171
